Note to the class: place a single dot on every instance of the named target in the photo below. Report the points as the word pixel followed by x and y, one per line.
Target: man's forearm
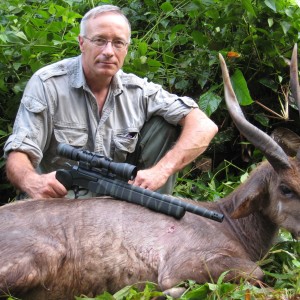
pixel 197 132
pixel 23 176
pixel 18 167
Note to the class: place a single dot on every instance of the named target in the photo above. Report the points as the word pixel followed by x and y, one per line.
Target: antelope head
pixel 283 183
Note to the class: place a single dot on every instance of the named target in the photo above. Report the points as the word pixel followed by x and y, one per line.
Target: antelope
pixel 59 248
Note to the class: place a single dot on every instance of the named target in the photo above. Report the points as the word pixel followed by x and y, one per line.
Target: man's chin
pixel 107 72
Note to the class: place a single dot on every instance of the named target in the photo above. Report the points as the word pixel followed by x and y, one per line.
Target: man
pixel 90 103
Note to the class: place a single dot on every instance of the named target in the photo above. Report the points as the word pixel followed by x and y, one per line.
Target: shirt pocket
pixel 74 136
pixel 125 142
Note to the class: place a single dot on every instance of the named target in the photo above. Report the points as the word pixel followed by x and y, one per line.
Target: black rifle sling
pixel 137 195
pixel 162 203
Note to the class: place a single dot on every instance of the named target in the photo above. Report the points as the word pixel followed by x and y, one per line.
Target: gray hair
pixel 94 12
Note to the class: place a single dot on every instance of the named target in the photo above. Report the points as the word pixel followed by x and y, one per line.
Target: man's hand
pixel 44 186
pixel 23 176
pixel 151 179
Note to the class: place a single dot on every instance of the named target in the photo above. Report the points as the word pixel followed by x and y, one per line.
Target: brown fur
pixel 55 249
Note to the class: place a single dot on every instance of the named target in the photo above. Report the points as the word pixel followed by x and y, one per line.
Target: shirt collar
pixel 77 77
pixel 116 84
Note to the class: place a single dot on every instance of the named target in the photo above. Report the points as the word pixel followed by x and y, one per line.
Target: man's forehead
pixel 108 20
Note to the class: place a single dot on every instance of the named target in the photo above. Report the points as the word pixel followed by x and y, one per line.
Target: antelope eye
pixel 285 190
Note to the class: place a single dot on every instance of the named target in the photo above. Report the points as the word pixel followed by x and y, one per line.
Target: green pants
pixel 156 138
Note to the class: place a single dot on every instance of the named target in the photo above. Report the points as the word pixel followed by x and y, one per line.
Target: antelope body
pixel 59 248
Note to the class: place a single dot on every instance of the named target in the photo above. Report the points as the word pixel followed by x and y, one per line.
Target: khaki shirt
pixel 58 107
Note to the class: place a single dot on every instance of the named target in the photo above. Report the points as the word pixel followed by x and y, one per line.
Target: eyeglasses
pixel 101 43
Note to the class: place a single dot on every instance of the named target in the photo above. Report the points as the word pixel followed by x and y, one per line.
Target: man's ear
pixel 81 42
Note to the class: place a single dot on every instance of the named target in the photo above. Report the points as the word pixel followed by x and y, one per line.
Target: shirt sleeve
pixel 169 106
pixel 30 127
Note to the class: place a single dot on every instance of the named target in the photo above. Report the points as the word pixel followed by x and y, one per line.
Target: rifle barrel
pixel 159 202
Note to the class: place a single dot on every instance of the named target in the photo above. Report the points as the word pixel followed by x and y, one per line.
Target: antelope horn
pixel 273 152
pixel 294 81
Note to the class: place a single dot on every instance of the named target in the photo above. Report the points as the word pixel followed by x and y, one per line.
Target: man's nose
pixel 108 48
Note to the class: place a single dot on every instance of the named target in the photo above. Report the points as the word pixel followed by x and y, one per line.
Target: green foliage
pixel 32 34
pixel 129 293
pixel 210 186
pixel 282 265
pixel 176 43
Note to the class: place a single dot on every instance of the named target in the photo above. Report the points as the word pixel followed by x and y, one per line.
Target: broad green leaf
pixel 271 4
pixel 203 77
pixel 212 286
pixel 270 83
pixel 167 7
pixel 17 65
pixel 179 27
pixel 209 102
pixel 296 263
pixel 244 177
pixel 199 37
pixel 168 57
pixel 123 292
pixel 200 292
pixel 20 35
pixel 248 6
pixel 3 37
pixel 182 84
pixel 278 276
pixel 270 22
pixel 3 133
pixel 240 87
pixel 164 23
pixel 285 26
pixel 52 9
pixel 153 63
pixel 37 23
pixel 262 119
pixel 213 13
pixel 3 86
pixel 221 277
pixel 143 47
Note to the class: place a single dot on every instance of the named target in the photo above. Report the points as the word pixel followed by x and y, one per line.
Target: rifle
pixel 101 175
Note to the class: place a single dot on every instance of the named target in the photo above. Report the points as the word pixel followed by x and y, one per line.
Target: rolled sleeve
pixel 19 142
pixel 30 127
pixel 170 106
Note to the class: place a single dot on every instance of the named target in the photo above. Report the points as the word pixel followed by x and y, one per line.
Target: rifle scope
pixel 124 170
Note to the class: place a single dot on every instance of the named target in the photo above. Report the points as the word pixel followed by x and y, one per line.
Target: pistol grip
pixel 65 178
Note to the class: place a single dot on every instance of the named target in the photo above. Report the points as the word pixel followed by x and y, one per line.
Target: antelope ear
pixel 246 206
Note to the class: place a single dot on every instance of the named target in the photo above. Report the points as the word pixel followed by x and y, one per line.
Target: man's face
pixel 107 60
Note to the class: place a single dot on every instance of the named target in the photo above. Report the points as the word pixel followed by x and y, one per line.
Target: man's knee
pixel 156 138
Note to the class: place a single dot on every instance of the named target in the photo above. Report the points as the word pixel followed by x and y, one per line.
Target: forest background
pixel 176 43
